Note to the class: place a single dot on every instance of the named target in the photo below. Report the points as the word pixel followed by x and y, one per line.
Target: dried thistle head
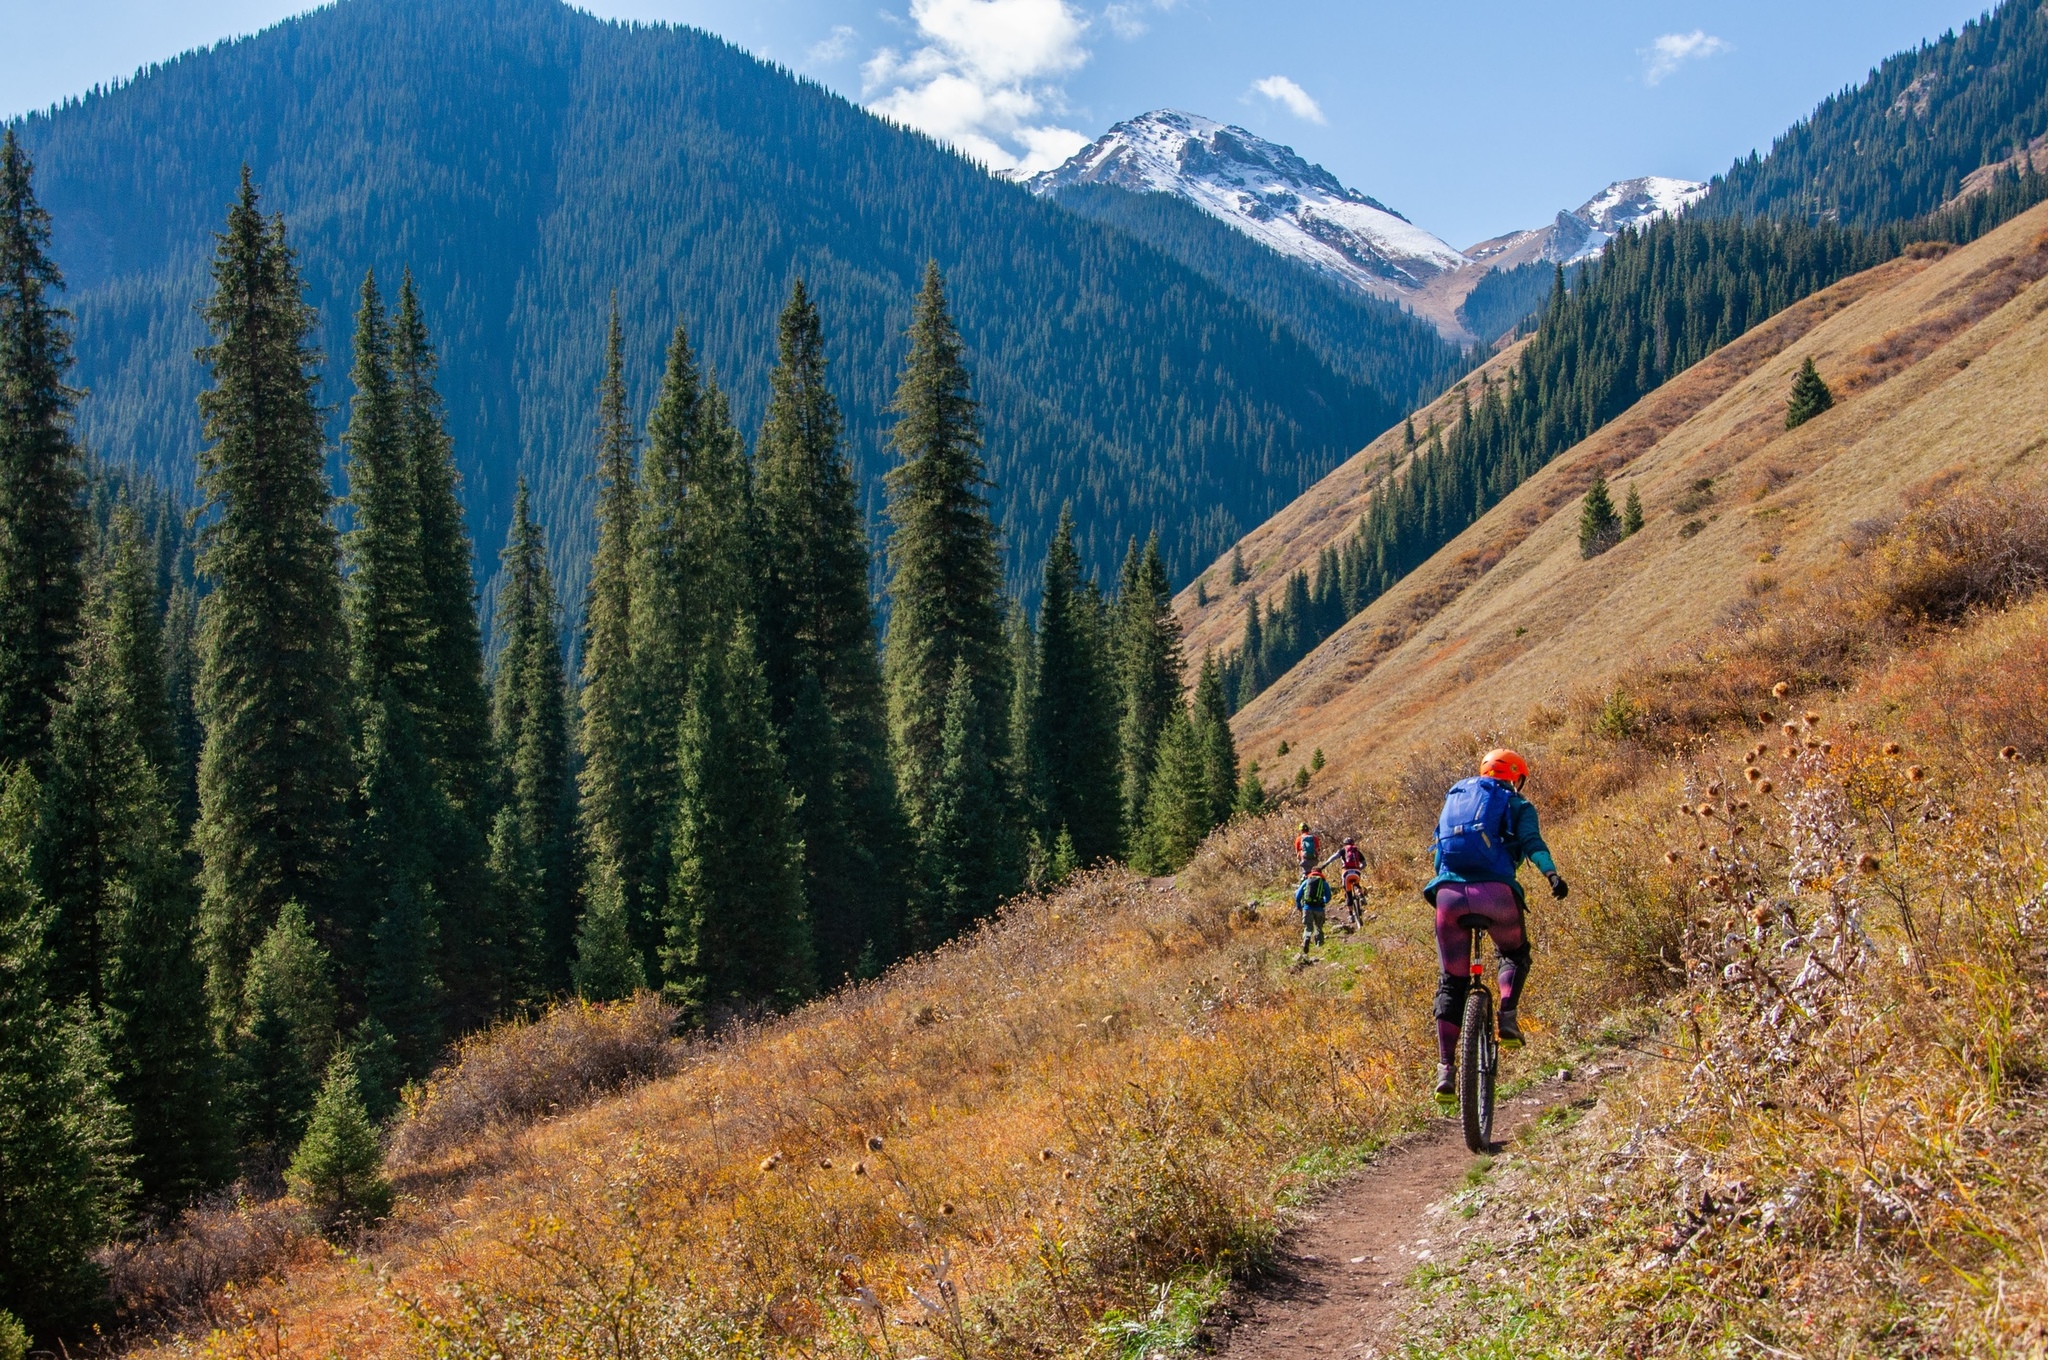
pixel 1791 751
pixel 946 1210
pixel 1673 856
pixel 824 1163
pixel 1891 748
pixel 1915 773
pixel 1781 689
pixel 1752 774
pixel 1867 863
pixel 1047 1155
pixel 1760 914
pixel 1764 715
pixel 860 1168
pixel 1827 748
pixel 1811 719
pixel 2008 753
pixel 1763 786
pixel 1705 810
pixel 1791 729
pixel 874 1142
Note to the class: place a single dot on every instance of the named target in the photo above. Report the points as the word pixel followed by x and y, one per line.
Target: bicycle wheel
pixel 1475 1078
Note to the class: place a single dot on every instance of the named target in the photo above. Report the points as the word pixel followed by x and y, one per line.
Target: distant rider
pixel 1487 829
pixel 1307 849
pixel 1350 858
pixel 1351 873
pixel 1312 900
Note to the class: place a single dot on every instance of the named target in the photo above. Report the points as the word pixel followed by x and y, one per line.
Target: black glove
pixel 1558 887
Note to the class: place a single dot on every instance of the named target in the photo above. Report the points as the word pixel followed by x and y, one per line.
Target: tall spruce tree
pixel 1148 654
pixel 1599 526
pixel 1073 728
pixel 63 1159
pixel 692 577
pixel 276 769
pixel 482 947
pixel 456 725
pixel 135 609
pixel 968 816
pixel 824 673
pixel 1632 512
pixel 737 934
pixel 1212 727
pixel 615 836
pixel 1179 807
pixel 531 720
pixel 284 1040
pixel 403 816
pixel 946 615
pixel 42 514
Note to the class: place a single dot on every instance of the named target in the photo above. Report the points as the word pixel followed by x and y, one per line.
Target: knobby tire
pixel 1475 1078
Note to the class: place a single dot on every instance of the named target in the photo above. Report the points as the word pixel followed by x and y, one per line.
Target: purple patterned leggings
pixel 1496 902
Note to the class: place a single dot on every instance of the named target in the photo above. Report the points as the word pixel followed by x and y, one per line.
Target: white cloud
pixel 985 79
pixel 1126 18
pixel 1298 101
pixel 838 47
pixel 1673 50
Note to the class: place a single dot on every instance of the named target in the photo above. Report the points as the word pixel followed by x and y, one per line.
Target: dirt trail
pixel 1340 1286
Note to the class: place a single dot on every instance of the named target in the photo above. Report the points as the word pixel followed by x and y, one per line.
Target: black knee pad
pixel 1521 958
pixel 1451 989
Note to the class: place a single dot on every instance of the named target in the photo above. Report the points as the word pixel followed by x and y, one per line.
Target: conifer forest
pixel 274 832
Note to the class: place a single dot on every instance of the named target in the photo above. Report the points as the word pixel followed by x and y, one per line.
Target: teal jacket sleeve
pixel 1528 833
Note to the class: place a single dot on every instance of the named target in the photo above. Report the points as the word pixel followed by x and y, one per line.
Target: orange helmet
pixel 1505 765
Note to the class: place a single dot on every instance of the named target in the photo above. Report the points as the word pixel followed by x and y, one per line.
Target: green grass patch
pixel 1173 1326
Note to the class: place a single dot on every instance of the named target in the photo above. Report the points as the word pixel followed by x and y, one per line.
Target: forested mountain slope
pixel 526 160
pixel 1903 142
pixel 1939 365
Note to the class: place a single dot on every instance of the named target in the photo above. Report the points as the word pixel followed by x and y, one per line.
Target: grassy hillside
pixel 1060 1135
pixel 1935 362
pixel 527 160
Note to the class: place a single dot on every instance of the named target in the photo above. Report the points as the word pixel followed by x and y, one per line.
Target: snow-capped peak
pixel 1266 191
pixel 1584 232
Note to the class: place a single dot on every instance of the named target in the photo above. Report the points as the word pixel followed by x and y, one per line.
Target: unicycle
pixel 1479 1054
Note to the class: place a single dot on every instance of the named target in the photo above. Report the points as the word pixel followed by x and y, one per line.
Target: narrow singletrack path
pixel 1340 1285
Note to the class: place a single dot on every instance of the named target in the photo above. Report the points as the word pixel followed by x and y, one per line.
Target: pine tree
pixel 614 836
pixel 945 590
pixel 135 633
pixel 181 679
pixel 607 966
pixel 455 727
pixel 1178 812
pixel 1073 732
pixel 737 935
pixel 62 1139
pixel 967 816
pixel 1632 512
pixel 692 576
pixel 818 631
pixel 1150 670
pixel 1599 528
pixel 1251 794
pixel 107 861
pixel 1238 575
pixel 1219 748
pixel 285 1038
pixel 337 1171
pixel 1810 396
pixel 531 722
pixel 452 709
pixel 275 771
pixel 405 985
pixel 42 515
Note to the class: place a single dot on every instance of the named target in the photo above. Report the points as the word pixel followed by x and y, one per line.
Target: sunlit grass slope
pixel 1940 366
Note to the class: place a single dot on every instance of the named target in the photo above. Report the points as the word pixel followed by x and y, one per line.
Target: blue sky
pixel 1472 120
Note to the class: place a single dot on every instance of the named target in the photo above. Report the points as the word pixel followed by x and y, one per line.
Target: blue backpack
pixel 1472 834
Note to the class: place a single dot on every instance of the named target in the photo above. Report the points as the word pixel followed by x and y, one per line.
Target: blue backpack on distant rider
pixel 1472 834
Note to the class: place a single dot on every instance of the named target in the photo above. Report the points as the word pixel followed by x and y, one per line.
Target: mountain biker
pixel 1307 845
pixel 1487 829
pixel 1312 900
pixel 1351 873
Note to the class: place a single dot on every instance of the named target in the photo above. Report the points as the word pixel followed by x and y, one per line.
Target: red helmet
pixel 1504 765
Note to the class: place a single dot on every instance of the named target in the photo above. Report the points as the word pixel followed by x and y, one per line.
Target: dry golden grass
pixel 1509 616
pixel 1843 1149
